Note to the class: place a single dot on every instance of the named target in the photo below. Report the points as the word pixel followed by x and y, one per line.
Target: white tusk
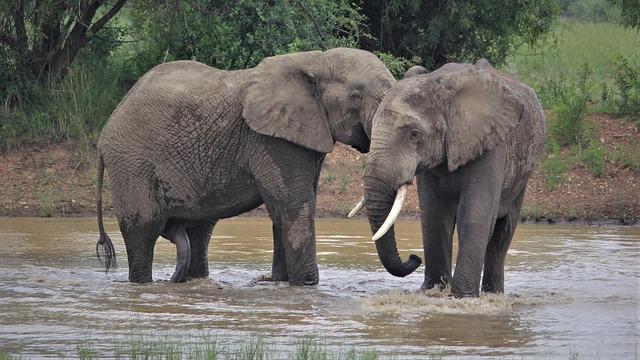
pixel 393 214
pixel 356 208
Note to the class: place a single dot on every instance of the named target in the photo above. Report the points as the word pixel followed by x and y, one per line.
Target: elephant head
pixel 316 98
pixel 437 122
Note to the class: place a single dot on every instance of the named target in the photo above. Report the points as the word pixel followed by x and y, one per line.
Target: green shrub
pixel 627 79
pixel 627 156
pixel 45 201
pixel 397 65
pixel 553 167
pixel 75 108
pixel 593 157
pixel 568 126
pixel 343 183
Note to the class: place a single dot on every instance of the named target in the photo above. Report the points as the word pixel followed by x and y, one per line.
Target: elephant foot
pixel 144 279
pixel 460 293
pixel 309 279
pixel 180 275
pixel 198 271
pixel 429 284
pixel 493 284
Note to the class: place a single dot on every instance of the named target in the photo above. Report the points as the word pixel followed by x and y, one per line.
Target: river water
pixel 572 291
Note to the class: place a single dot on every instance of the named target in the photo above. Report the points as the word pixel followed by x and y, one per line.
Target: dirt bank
pixel 56 180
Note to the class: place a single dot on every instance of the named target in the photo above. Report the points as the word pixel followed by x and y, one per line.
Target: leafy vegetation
pixel 588 62
pixel 581 67
pixel 65 65
pixel 443 31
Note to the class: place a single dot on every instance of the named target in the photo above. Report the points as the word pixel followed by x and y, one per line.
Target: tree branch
pixel 104 19
pixel 22 41
pixel 315 23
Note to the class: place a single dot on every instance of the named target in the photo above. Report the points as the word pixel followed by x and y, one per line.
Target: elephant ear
pixel 483 111
pixel 282 100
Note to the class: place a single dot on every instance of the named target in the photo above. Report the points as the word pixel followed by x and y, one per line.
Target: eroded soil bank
pixel 59 180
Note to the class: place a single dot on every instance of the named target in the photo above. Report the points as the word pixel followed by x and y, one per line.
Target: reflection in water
pixel 569 288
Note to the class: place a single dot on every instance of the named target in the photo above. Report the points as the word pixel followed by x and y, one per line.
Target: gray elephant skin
pixel 191 144
pixel 472 137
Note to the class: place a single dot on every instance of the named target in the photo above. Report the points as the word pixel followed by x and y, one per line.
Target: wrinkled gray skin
pixel 472 137
pixel 191 144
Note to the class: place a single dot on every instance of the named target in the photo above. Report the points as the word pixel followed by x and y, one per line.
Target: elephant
pixel 190 144
pixel 472 137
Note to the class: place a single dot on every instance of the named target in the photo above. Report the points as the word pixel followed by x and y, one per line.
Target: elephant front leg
pixel 295 253
pixel 437 217
pixel 476 218
pixel 299 243
pixel 279 262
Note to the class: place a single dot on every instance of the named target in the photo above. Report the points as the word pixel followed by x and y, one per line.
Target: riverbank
pixel 59 180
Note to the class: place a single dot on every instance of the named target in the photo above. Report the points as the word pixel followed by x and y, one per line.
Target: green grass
pixel 553 167
pixel 628 156
pixel 563 53
pixel 75 108
pixel 577 69
pixel 606 55
pixel 593 157
pixel 212 347
pixel 343 183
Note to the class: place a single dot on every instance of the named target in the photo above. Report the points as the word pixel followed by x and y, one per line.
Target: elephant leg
pixel 140 240
pixel 199 237
pixel 476 218
pixel 279 262
pixel 438 218
pixel 298 241
pixel 177 234
pixel 494 258
pixel 279 270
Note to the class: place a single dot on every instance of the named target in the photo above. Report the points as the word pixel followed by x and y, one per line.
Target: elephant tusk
pixel 393 214
pixel 356 208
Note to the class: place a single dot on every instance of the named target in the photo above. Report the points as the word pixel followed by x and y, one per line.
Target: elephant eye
pixel 415 135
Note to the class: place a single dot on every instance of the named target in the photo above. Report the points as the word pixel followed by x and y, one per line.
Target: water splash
pixel 442 302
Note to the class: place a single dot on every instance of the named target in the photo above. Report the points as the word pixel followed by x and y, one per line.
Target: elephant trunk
pixel 379 200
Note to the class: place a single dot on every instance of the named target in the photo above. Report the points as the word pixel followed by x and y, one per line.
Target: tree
pixel 630 12
pixel 238 34
pixel 454 30
pixel 42 38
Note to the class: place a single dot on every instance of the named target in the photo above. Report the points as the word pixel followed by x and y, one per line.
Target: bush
pixel 568 126
pixel 397 65
pixel 627 79
pixel 593 157
pixel 75 108
pixel 553 167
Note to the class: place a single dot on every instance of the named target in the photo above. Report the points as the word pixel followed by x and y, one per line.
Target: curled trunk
pixel 379 200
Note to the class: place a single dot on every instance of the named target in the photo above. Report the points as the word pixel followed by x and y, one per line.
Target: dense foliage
pixel 64 65
pixel 443 31
pixel 238 34
pixel 40 39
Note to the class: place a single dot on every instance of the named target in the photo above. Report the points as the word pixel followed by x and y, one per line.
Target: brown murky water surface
pixel 570 289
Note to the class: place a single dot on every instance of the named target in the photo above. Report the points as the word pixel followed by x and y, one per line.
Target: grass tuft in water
pixel 211 347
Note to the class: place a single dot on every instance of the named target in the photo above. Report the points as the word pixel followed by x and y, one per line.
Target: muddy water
pixel 570 289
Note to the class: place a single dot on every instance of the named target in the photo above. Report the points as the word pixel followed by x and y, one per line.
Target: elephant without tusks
pixel 472 137
pixel 190 144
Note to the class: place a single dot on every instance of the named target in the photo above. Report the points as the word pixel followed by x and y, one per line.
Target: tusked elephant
pixel 472 137
pixel 191 144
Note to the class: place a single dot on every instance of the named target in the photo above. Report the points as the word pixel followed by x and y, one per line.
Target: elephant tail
pixel 104 248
